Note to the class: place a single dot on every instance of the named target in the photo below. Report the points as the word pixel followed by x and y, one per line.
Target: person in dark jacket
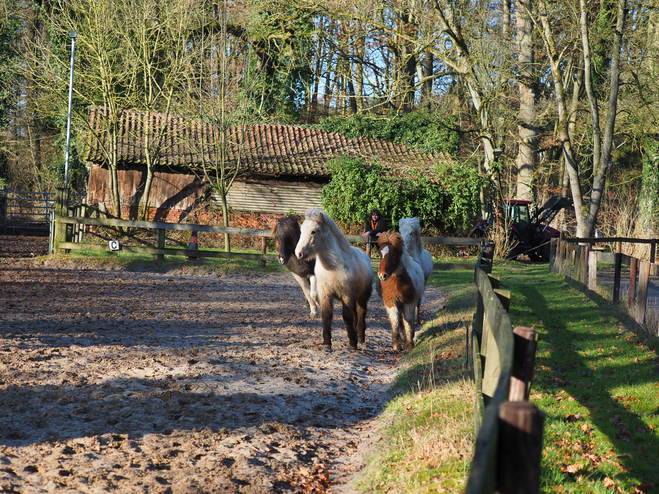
pixel 375 225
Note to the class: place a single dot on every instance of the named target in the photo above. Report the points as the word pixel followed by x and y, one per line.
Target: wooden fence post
pixel 553 247
pixel 263 251
pixel 584 264
pixel 61 209
pixel 525 345
pixel 631 296
pixel 642 299
pixel 160 244
pixel 592 270
pixel 519 448
pixel 616 277
pixel 561 257
pixel 569 260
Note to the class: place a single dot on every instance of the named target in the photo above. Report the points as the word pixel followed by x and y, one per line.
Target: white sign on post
pixel 113 244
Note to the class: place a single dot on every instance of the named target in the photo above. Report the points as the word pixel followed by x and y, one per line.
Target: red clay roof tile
pixel 266 148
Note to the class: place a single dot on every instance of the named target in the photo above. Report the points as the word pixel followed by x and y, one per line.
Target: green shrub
pixel 421 130
pixel 446 195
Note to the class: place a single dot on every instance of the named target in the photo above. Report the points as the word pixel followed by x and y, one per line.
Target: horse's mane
pixel 319 216
pixel 286 227
pixel 414 226
pixel 393 238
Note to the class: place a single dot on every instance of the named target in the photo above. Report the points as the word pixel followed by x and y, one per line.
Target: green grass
pixel 595 379
pixel 427 426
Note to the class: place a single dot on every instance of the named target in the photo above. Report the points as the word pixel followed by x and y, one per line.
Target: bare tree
pixel 223 74
pixel 155 35
pixel 527 129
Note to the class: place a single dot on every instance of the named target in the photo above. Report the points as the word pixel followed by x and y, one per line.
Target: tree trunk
pixel 602 152
pixel 563 134
pixel 526 128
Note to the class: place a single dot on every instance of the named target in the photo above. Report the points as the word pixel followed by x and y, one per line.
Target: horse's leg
pixel 349 313
pixel 306 289
pixel 408 325
pixel 313 289
pixel 417 312
pixel 362 305
pixel 326 313
pixel 394 320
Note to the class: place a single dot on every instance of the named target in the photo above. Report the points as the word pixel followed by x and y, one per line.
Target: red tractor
pixel 527 234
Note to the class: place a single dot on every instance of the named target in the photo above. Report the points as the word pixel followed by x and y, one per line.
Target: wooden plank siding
pixel 275 197
pixel 171 189
pixel 293 158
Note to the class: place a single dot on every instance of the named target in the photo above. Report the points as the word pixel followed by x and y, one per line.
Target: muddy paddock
pixel 175 382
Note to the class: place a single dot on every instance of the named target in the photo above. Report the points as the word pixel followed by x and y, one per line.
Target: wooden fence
pixel 577 259
pixel 508 427
pixel 67 236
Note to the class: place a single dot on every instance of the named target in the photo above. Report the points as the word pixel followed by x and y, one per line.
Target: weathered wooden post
pixel 584 264
pixel 61 210
pixel 525 344
pixel 642 300
pixel 519 448
pixel 562 256
pixel 631 296
pixel 263 250
pixel 553 245
pixel 616 275
pixel 592 270
pixel 161 244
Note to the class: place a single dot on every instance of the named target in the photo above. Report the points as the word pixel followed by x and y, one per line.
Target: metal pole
pixel 73 36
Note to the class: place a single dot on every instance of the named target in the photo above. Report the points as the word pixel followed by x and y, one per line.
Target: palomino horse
pixel 287 233
pixel 410 229
pixel 342 272
pixel 401 287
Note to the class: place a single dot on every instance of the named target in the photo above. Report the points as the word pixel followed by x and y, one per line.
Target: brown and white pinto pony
pixel 410 229
pixel 401 285
pixel 287 233
pixel 342 272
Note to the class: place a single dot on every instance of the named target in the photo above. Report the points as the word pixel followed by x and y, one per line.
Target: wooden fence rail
pixel 508 427
pixel 577 259
pixel 66 225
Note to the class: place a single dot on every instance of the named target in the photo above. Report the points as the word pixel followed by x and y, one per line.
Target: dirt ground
pixel 172 382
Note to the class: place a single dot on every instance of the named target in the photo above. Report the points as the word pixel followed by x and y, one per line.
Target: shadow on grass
pixel 591 382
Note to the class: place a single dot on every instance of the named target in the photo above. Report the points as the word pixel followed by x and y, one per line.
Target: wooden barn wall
pixel 273 197
pixel 169 190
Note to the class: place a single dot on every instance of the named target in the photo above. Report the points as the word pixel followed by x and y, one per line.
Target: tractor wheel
pixel 515 244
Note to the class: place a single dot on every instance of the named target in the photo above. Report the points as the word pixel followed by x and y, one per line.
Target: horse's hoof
pixel 327 348
pixel 353 346
pixel 396 347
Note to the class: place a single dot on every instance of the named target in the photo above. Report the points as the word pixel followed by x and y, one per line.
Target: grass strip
pixel 596 380
pixel 427 427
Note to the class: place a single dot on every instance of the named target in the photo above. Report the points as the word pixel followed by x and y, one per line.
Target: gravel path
pixel 169 382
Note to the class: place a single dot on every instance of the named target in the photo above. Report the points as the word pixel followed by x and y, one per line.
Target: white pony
pixel 410 229
pixel 342 272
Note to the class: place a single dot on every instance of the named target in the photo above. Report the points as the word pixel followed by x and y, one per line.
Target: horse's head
pixel 392 248
pixel 410 230
pixel 286 233
pixel 310 233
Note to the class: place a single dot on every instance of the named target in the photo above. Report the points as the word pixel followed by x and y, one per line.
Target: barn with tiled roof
pixel 281 167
